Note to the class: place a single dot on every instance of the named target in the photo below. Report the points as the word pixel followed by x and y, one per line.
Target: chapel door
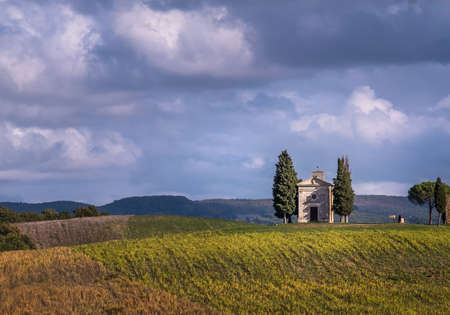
pixel 314 214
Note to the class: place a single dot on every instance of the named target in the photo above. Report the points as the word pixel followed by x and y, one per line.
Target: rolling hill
pixel 180 265
pixel 368 209
pixel 289 269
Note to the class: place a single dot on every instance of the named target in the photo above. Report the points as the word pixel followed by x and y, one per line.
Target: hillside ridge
pixel 368 208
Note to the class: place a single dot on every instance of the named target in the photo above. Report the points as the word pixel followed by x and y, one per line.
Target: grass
pixel 170 264
pixel 59 281
pixel 159 225
pixel 290 269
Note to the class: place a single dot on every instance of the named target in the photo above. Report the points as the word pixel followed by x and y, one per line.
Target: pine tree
pixel 343 194
pixel 440 198
pixel 284 189
pixel 423 193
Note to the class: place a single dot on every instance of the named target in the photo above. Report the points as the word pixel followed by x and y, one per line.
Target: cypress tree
pixel 284 189
pixel 440 198
pixel 343 194
pixel 338 195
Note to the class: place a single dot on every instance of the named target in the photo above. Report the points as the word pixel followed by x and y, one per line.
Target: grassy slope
pixel 303 268
pixel 159 225
pixel 59 281
pixel 86 230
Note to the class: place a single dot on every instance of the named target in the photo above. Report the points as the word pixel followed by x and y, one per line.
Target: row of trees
pixel 9 216
pixel 433 194
pixel 284 191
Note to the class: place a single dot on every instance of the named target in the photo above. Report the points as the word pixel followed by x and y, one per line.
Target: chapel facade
pixel 315 199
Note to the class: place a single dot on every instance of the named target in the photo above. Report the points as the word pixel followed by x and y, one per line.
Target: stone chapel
pixel 315 199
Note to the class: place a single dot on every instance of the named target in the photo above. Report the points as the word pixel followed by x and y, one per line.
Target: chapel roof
pixel 313 181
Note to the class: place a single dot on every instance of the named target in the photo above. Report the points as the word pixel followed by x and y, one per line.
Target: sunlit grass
pixel 296 269
pixel 59 281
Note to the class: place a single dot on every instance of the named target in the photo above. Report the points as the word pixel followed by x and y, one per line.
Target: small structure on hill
pixel 315 199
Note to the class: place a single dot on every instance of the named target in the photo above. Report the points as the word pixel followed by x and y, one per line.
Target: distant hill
pixel 368 208
pixel 180 205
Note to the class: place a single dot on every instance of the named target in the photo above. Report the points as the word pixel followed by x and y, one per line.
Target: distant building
pixel 315 199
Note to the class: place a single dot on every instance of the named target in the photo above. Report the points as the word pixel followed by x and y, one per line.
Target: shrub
pixel 64 215
pixel 89 211
pixel 29 217
pixel 7 216
pixel 12 239
pixel 50 214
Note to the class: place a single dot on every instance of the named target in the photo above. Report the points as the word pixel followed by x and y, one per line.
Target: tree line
pixel 432 194
pixel 12 239
pixel 10 216
pixel 284 190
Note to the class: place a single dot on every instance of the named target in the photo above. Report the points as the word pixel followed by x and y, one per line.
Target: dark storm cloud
pixel 324 33
pixel 285 38
pixel 339 33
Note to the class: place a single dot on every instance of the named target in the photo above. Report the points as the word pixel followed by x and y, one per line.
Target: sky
pixel 101 100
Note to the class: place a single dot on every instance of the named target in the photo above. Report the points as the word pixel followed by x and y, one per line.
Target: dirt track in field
pixel 75 231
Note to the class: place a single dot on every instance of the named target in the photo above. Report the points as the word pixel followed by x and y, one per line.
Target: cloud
pixel 202 42
pixel 255 162
pixel 381 188
pixel 442 104
pixel 62 149
pixel 42 42
pixel 375 118
pixel 364 117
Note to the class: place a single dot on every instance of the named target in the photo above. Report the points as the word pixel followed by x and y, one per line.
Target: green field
pixel 244 268
pixel 159 225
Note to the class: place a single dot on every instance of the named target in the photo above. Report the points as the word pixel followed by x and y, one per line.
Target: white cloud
pixel 62 149
pixel 255 162
pixel 364 117
pixel 442 104
pixel 375 119
pixel 381 188
pixel 70 47
pixel 187 42
pixel 39 42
